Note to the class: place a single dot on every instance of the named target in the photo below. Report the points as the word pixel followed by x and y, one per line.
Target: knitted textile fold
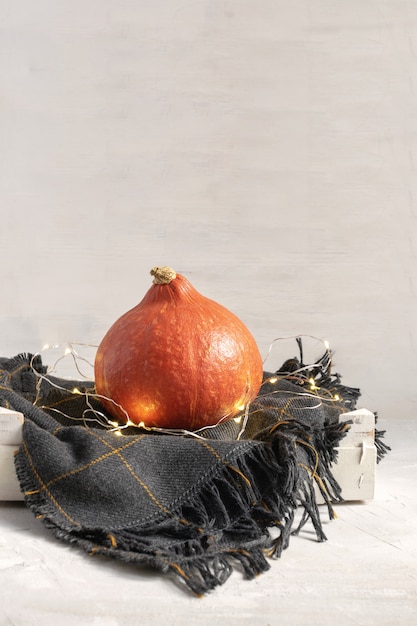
pixel 186 505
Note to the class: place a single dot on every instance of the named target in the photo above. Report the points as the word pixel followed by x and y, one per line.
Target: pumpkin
pixel 177 360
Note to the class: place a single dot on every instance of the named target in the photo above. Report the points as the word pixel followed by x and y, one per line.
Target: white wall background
pixel 267 150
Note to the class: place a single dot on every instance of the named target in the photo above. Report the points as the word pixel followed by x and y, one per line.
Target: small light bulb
pixel 272 380
pixel 76 391
pixel 68 350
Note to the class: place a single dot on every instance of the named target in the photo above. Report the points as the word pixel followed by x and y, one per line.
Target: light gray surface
pixel 365 574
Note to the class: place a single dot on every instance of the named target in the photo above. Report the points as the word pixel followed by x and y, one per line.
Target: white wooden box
pixel 356 463
pixel 354 471
pixel 9 485
pixel 10 427
pixel 10 437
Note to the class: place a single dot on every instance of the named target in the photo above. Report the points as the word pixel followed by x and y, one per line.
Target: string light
pixel 92 414
pixel 245 421
pixel 300 374
pixel 313 385
pixel 297 337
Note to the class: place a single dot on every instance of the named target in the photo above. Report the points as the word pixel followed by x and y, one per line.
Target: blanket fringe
pixel 204 540
pixel 246 512
pixel 381 447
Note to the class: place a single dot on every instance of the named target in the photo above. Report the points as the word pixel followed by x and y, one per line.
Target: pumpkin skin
pixel 177 360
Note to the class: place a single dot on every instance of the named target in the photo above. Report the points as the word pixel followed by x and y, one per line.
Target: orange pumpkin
pixel 177 359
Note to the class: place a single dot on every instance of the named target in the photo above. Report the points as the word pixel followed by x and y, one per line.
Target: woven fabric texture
pixel 190 506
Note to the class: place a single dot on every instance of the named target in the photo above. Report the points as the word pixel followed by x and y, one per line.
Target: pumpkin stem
pixel 163 275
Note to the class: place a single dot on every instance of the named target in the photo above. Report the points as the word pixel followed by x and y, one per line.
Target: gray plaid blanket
pixel 189 506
